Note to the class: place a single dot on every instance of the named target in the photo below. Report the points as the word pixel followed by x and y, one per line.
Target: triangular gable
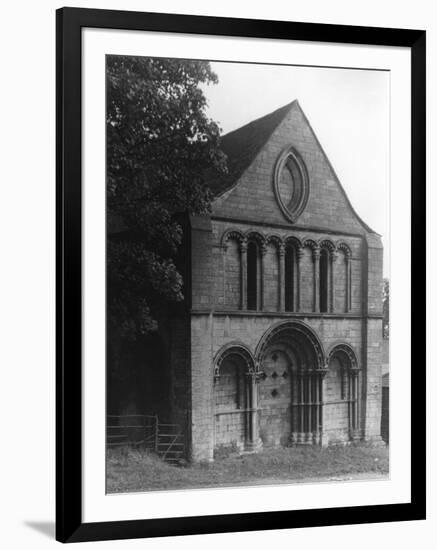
pixel 241 147
pixel 247 191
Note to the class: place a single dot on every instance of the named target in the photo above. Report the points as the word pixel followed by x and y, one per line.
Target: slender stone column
pixel 349 403
pixel 263 250
pixel 243 257
pixel 254 410
pixel 333 258
pixel 281 277
pixel 302 409
pixel 253 441
pixel 299 255
pixel 348 283
pixel 309 379
pixel 355 420
pixel 293 410
pixel 224 250
pixel 316 263
pixel 322 437
pixel 248 415
pixel 320 419
pixel 317 408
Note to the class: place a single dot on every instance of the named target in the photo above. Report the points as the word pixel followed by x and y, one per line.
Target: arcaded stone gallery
pixel 279 341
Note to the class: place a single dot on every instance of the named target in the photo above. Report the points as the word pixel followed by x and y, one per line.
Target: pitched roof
pixel 242 145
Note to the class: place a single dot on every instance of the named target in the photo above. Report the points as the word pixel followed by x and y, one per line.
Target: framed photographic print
pixel 241 253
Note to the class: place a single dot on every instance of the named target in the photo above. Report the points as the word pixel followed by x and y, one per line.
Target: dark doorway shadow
pixel 46 528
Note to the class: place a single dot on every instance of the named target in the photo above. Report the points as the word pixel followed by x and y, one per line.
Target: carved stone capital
pixel 322 371
pixel 257 376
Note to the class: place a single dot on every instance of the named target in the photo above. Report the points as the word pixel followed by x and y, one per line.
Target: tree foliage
pixel 160 146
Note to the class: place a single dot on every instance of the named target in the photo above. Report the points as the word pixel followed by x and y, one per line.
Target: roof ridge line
pixel 286 108
pixel 260 118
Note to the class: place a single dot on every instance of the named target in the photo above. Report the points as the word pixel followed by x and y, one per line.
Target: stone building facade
pixel 280 340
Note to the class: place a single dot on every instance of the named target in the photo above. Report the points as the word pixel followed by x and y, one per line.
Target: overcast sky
pixel 348 110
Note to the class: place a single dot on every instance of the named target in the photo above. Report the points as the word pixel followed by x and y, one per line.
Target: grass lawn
pixel 136 470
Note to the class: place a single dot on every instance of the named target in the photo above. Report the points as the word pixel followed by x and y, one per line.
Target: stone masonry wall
pixel 335 418
pixel 216 318
pixel 202 388
pixel 225 289
pixel 372 336
pixel 211 332
pixel 202 258
pixel 327 205
pixel 230 393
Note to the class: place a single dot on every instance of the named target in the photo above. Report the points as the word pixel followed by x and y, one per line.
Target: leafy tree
pixel 160 145
pixel 386 308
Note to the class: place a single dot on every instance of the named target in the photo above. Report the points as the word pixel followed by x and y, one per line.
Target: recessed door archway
pixel 292 367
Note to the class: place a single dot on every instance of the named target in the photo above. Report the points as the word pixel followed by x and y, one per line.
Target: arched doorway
pixel 341 394
pixel 235 398
pixel 290 385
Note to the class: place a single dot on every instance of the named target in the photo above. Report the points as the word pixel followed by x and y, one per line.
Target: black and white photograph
pixel 217 286
pixel 247 274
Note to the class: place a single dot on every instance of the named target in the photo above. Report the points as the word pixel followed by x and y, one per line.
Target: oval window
pixel 291 184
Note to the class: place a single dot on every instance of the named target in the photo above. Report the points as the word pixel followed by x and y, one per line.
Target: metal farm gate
pixel 145 431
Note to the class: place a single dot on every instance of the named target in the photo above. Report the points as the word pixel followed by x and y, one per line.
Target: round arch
pixel 311 243
pixel 275 239
pixel 255 236
pixel 294 242
pixel 292 364
pixel 344 381
pixel 288 328
pixel 234 348
pixel 343 247
pixel 342 348
pixel 328 245
pixel 235 234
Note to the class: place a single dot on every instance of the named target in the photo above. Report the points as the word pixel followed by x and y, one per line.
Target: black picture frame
pixel 69 524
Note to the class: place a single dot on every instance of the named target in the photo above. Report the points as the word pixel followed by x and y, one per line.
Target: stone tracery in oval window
pixel 291 184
